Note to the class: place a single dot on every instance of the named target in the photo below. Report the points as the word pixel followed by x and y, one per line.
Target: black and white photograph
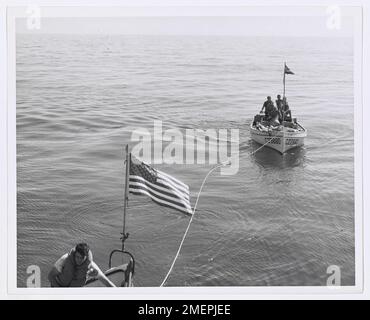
pixel 171 147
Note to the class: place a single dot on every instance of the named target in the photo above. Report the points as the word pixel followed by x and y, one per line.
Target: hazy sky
pixel 185 25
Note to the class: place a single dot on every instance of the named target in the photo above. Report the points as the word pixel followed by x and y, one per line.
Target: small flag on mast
pixel 162 188
pixel 287 70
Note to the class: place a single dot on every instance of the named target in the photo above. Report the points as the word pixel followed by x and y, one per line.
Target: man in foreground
pixel 72 269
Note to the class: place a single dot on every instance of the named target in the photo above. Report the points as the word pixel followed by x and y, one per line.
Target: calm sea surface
pixel 281 220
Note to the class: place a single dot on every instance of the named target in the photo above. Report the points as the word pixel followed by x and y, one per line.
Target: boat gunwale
pixel 302 133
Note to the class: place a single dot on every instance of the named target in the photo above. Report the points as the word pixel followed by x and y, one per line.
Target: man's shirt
pixel 60 262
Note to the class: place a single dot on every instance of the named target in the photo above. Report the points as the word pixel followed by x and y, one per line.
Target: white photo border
pixel 176 292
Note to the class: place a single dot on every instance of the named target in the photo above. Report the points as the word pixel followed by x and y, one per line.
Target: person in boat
pixel 72 269
pixel 279 102
pixel 269 108
pixel 287 114
pixel 279 106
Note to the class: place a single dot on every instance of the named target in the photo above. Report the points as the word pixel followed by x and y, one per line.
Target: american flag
pixel 159 186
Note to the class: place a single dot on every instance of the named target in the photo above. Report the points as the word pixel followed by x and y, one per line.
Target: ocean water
pixel 280 221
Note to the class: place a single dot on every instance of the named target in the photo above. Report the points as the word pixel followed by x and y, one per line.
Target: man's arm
pixel 56 270
pixel 263 106
pixel 100 275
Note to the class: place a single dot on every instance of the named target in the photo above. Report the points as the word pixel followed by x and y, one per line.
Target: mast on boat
pixel 286 71
pixel 283 139
pixel 125 200
pixel 284 80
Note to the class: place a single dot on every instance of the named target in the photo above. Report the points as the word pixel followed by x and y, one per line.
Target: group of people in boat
pixel 281 111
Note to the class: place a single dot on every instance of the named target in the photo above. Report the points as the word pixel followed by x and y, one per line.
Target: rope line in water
pixel 191 219
pixel 253 152
pixel 195 207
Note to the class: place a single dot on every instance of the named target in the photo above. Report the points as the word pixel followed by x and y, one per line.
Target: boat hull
pixel 277 140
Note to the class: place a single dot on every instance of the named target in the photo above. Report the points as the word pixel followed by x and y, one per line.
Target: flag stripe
pixel 163 204
pixel 160 187
pixel 151 194
pixel 169 184
pixel 160 201
pixel 181 186
pixel 174 180
pixel 165 182
pixel 161 195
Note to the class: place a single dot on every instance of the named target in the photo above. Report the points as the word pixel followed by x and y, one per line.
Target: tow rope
pixel 195 207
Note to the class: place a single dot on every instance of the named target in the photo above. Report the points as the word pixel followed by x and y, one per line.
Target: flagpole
pixel 284 80
pixel 128 160
pixel 283 142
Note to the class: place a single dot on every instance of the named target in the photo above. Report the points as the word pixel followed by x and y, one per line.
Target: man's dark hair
pixel 82 249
